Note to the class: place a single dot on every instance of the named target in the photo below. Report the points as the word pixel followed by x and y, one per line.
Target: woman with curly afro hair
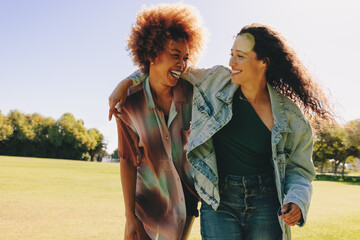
pixel 154 122
pixel 251 140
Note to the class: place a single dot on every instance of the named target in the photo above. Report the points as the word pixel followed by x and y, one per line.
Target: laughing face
pixel 171 63
pixel 246 68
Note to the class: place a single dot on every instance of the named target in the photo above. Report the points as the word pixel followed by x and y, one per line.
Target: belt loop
pixel 260 182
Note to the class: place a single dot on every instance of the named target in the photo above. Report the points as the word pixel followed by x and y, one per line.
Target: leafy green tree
pixel 100 145
pixel 323 142
pixel 351 142
pixel 37 136
pixel 337 142
pixel 115 154
pixel 20 142
pixel 71 139
pixel 43 147
pixel 6 128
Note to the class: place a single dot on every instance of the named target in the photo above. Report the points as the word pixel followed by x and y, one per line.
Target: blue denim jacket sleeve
pixel 192 75
pixel 138 77
pixel 197 75
pixel 300 172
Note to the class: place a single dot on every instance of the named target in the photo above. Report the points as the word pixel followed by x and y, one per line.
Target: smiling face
pixel 171 63
pixel 246 68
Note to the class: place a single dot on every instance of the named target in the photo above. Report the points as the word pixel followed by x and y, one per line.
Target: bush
pixel 337 178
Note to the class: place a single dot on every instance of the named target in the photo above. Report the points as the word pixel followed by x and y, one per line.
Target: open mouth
pixel 175 74
pixel 233 72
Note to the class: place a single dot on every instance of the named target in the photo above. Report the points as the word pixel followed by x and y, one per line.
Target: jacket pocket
pixel 281 164
pixel 202 103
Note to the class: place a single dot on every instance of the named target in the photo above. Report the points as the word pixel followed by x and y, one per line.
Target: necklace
pixel 242 97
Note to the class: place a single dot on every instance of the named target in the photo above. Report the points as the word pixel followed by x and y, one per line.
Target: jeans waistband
pixel 247 181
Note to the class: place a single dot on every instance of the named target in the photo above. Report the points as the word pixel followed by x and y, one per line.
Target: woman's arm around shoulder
pixel 197 76
pixel 120 92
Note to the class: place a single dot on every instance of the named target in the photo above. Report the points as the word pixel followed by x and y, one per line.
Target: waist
pixel 247 181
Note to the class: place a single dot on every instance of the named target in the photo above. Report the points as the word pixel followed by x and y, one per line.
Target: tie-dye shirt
pixel 158 149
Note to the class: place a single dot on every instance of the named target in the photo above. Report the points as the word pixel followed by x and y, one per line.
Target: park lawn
pixel 62 199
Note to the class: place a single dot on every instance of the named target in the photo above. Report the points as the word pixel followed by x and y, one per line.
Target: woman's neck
pixel 162 94
pixel 256 93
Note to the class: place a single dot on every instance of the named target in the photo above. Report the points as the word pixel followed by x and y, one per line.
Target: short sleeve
pixel 128 143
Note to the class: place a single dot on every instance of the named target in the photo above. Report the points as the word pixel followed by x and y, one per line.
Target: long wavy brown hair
pixel 286 73
pixel 156 25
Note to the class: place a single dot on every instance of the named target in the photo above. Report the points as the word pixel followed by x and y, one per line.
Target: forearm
pixel 128 182
pixel 120 90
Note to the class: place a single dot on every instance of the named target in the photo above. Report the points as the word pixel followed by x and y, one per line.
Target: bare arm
pixel 118 95
pixel 137 77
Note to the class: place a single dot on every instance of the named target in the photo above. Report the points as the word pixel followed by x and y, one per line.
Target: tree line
pixel 34 135
pixel 335 145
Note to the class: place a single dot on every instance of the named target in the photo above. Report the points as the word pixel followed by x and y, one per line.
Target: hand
pixel 291 214
pixel 134 229
pixel 118 96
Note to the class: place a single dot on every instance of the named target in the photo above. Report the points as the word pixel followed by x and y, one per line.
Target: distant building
pixel 110 159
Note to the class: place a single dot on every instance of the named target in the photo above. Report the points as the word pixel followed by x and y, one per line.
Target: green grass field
pixel 60 199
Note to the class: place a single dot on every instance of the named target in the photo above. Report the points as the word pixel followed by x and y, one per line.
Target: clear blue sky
pixel 67 56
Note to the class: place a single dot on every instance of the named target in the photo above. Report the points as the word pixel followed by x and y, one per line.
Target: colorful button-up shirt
pixel 158 149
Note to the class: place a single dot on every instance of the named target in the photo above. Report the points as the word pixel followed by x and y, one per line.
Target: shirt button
pixel 167 137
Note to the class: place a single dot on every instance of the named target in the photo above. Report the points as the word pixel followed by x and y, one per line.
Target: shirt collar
pixel 227 91
pixel 148 96
pixel 179 91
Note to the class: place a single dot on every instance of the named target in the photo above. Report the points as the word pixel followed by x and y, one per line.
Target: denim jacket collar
pixel 226 93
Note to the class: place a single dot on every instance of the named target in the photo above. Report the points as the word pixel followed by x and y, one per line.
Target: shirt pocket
pixel 282 159
pixel 281 162
pixel 202 110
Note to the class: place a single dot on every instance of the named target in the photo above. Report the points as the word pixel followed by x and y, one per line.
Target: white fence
pixel 109 159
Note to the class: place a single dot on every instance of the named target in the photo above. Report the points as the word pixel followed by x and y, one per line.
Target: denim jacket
pixel 291 140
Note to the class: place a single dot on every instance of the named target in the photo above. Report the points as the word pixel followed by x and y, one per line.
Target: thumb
pixel 285 208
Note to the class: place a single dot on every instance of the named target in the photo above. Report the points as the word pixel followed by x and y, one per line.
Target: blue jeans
pixel 248 210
